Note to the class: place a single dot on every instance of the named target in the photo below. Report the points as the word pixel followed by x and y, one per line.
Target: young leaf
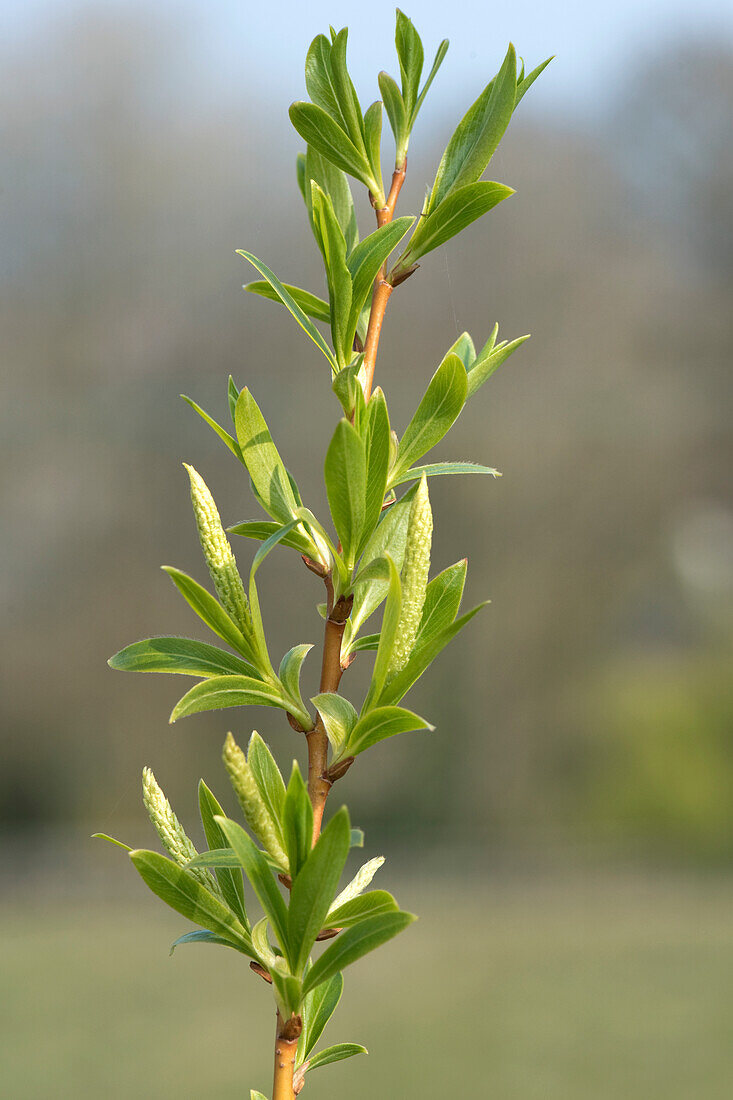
pixel 333 182
pixel 478 133
pixel 436 469
pixel 354 943
pixel 232 395
pixel 464 349
pixel 332 244
pixel 202 936
pixel 257 870
pixel 368 257
pixel 439 55
pixel 267 776
pixel 288 992
pixel 289 302
pixel 318 129
pixel 223 435
pixel 395 107
pixel 346 96
pixel 376 438
pixel 319 78
pixel 262 459
pixel 442 601
pixel 310 304
pixel 411 57
pixel 373 139
pixel 218 859
pixel 457 210
pixel 358 884
pixel 111 840
pixel 422 657
pixel 209 610
pixel 230 880
pixel 182 892
pixel 390 623
pixel 380 723
pixel 261 530
pixel 313 889
pixel 361 907
pixel 335 1053
pixel 289 671
pixel 439 408
pixel 297 822
pixel 526 82
pixel 338 715
pixel 318 1008
pixel 258 629
pixel 486 364
pixel 345 473
pixel 179 655
pixel 221 692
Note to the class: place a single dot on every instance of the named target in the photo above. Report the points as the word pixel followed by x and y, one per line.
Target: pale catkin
pixel 171 832
pixel 218 553
pixel 248 795
pixel 359 882
pixel 414 577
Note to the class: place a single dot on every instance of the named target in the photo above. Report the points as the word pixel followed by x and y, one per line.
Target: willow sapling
pixel 374 553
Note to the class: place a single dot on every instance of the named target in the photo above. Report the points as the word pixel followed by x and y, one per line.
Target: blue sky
pixel 237 41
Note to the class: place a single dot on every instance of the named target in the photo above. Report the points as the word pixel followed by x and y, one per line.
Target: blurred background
pixel 575 802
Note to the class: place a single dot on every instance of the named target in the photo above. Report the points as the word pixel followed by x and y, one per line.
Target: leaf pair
pixel 333 122
pixel 402 104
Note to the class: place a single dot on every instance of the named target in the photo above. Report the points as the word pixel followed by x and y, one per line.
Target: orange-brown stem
pixel 382 288
pixel 286 1044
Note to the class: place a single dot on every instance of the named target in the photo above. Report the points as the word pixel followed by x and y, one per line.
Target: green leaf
pixel 389 537
pixel 202 936
pixel 255 1095
pixel 318 1008
pixel 368 642
pixel 338 715
pixel 442 601
pixel 438 410
pixel 262 459
pixel 373 140
pixel 436 469
pixel 230 880
pixel 422 657
pixel 319 78
pixel 314 888
pixel 359 908
pixel 179 655
pixel 182 892
pixel 218 858
pixel 346 96
pixel 290 304
pixel 288 992
pixel 380 723
pixel 485 365
pixel 439 55
pixel 376 439
pixel 411 57
pixel 297 822
pixel 347 387
pixel 336 1053
pixel 111 840
pixel 232 395
pixel 332 244
pixel 357 838
pixel 478 133
pixel 209 610
pixel 260 530
pixel 221 432
pixel 311 305
pixel 257 625
pixel 390 623
pixel 221 692
pixel 261 878
pixel 394 105
pixel 334 183
pixel 318 128
pixel 367 259
pixel 345 473
pixel 461 207
pixel 289 671
pixel 354 943
pixel 526 83
pixel 267 776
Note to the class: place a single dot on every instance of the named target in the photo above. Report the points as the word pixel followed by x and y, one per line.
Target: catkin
pixel 359 882
pixel 171 832
pixel 414 577
pixel 248 795
pixel 218 553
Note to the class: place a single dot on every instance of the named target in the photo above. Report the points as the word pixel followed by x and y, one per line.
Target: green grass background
pixel 576 989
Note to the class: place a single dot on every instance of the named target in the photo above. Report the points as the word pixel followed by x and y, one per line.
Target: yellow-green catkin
pixel 218 553
pixel 171 832
pixel 414 576
pixel 256 813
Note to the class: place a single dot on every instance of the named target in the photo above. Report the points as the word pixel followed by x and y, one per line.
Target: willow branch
pixel 286 1045
pixel 382 288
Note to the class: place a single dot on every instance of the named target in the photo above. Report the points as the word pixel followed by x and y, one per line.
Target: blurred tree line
pixel 593 702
